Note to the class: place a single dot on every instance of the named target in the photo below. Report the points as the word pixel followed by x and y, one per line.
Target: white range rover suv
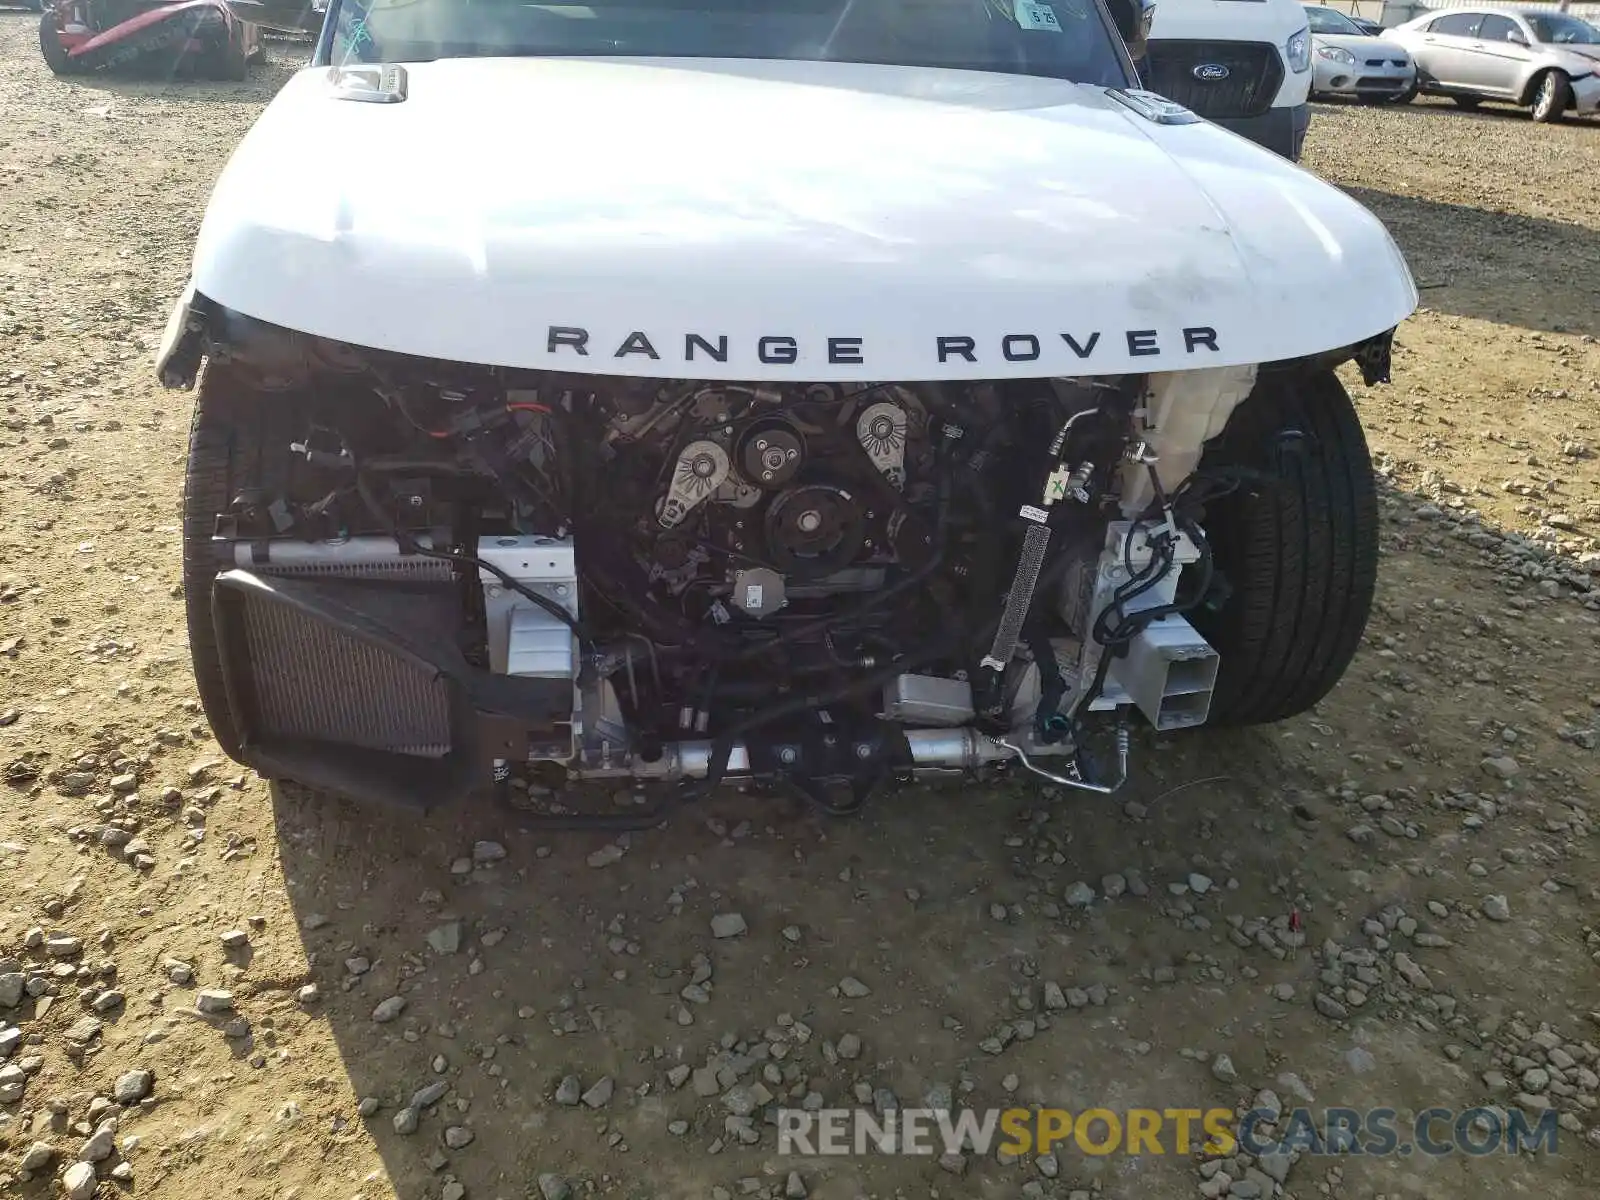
pixel 812 392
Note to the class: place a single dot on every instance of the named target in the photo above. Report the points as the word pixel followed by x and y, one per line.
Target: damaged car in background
pixel 829 393
pixel 189 37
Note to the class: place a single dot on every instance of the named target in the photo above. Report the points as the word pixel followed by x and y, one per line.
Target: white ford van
pixel 1244 64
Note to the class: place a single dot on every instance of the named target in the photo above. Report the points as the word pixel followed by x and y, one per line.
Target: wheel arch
pixel 1530 89
pixel 201 331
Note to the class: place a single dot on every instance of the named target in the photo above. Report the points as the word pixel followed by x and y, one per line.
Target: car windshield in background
pixel 1326 20
pixel 1066 39
pixel 1561 30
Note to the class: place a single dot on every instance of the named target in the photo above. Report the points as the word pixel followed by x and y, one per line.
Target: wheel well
pixel 1537 81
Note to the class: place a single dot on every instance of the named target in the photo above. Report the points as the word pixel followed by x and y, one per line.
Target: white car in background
pixel 1243 64
pixel 1546 61
pixel 1348 61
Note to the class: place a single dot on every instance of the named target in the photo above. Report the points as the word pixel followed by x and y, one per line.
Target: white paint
pixel 1270 21
pixel 800 199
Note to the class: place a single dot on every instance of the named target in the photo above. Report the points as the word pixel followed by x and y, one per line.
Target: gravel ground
pixel 208 989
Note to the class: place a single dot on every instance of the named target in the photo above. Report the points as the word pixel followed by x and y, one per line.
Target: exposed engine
pixel 751 502
pixel 829 584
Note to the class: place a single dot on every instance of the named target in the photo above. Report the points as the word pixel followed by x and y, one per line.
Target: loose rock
pixel 100 1145
pixel 599 1095
pixel 133 1086
pixel 606 855
pixel 214 1001
pixel 38 1156
pixel 446 938
pixel 79 1181
pixel 1079 895
pixel 727 925
pixel 13 1083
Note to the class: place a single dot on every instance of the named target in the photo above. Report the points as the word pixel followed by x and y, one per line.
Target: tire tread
pixel 1301 556
pixel 237 438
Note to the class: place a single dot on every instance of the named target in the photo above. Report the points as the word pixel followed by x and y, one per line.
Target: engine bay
pixel 830 584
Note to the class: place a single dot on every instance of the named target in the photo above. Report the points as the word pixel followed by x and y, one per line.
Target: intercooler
pixel 343 670
pixel 313 681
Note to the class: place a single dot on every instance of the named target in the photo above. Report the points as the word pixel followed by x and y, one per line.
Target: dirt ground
pixel 1432 825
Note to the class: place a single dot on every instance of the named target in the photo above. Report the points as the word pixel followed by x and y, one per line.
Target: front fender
pixel 1529 82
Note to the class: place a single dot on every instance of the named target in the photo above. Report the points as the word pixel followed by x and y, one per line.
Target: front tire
pixel 1298 550
pixel 237 438
pixel 228 60
pixel 1552 98
pixel 50 45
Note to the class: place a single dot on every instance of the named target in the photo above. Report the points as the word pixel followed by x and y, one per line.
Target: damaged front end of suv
pixel 861 412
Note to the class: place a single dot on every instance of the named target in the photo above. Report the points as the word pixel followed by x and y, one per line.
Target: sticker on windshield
pixel 1037 16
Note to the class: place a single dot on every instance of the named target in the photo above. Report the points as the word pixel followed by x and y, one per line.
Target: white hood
pixel 864 212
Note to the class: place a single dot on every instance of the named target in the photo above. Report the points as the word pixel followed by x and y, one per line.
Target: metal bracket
pixel 1373 356
pixel 823 758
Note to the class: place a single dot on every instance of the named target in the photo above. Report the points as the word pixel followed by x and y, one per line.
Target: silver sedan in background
pixel 1348 61
pixel 1546 61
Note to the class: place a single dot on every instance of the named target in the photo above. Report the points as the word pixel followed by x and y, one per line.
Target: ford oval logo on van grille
pixel 1211 72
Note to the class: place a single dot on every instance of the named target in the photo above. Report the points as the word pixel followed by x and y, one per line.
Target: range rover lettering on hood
pixel 784 350
pixel 910 224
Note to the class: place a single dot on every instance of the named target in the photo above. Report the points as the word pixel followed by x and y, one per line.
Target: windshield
pixel 1325 20
pixel 1561 29
pixel 1066 39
